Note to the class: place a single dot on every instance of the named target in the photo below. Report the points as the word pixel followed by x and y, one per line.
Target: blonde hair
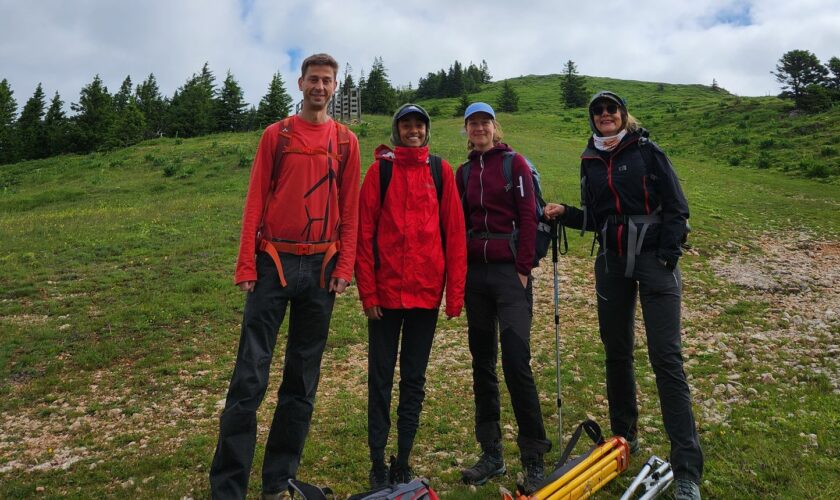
pixel 631 124
pixel 497 135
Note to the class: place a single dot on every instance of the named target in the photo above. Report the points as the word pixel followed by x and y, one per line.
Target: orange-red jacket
pixel 313 201
pixel 406 226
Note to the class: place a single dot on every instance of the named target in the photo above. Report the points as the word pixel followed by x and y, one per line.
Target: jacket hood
pixel 500 147
pixel 406 109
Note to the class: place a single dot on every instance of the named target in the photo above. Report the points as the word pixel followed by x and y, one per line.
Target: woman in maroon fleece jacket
pixel 501 234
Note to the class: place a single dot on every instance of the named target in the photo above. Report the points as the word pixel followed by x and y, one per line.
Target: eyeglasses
pixel 598 109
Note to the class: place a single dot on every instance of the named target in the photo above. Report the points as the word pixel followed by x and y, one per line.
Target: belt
pixel 275 248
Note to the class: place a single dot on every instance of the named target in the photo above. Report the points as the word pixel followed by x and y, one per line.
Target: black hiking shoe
pixel 400 473
pixel 634 444
pixel 686 490
pixel 534 472
pixel 378 476
pixel 491 464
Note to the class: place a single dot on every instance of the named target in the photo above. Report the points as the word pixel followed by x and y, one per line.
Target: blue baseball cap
pixel 479 107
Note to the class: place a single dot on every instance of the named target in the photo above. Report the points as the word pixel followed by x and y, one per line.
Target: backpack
pixel 544 233
pixel 341 155
pixel 418 489
pixel 306 491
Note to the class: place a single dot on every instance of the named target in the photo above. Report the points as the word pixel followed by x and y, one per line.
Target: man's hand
pixel 338 285
pixel 247 286
pixel 374 312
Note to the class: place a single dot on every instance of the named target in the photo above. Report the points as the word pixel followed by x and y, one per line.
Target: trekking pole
pixel 558 232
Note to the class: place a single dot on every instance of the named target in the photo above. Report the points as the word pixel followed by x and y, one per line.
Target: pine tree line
pixel 103 120
pixel 455 82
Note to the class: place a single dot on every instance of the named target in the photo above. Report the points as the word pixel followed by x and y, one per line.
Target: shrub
pixel 828 151
pixel 740 141
pixel 245 161
pixel 734 161
pixel 767 143
pixel 169 170
pixel 764 160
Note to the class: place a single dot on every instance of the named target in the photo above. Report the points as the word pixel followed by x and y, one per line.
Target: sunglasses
pixel 598 109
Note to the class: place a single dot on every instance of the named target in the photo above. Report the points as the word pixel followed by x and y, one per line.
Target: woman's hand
pixel 554 210
pixel 523 278
pixel 374 312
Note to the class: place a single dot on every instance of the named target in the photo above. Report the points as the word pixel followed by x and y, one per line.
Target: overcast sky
pixel 63 43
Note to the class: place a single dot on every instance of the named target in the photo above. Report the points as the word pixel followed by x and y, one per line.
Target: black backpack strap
pixel 465 177
pixel 436 167
pixel 386 168
pixel 507 169
pixel 308 491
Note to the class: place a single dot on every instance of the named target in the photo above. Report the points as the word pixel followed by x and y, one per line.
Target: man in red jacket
pixel 412 245
pixel 297 249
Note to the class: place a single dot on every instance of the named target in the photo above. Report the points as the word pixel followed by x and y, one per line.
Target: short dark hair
pixel 319 60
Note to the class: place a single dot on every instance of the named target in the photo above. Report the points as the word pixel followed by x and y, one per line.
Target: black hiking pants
pixel 310 308
pixel 499 310
pixel 659 291
pixel 414 346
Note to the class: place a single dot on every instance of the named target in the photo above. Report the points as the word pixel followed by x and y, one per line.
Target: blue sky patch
pixel 737 14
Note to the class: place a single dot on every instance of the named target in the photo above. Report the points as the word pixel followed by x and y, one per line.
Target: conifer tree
pixel 8 113
pixel 56 127
pixel 573 87
pixel 153 106
pixel 276 104
pixel 508 98
pixel 378 97
pixel 94 118
pixel 796 70
pixel 463 102
pixel 231 106
pixel 30 127
pixel 124 95
pixel 192 111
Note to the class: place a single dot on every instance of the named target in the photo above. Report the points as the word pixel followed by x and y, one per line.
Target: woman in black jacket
pixel 632 199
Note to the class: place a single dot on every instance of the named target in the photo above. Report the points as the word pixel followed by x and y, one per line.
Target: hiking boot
pixel 634 444
pixel 534 472
pixel 400 473
pixel 378 476
pixel 686 490
pixel 491 464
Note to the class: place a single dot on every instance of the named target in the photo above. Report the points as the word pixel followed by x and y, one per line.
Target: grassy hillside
pixel 119 321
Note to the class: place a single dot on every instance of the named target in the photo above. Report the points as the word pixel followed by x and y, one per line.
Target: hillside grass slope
pixel 119 320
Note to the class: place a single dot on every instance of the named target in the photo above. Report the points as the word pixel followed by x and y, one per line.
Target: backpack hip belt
pixel 274 248
pixel 635 238
pixel 511 237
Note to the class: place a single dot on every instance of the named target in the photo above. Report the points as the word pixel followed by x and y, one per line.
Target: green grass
pixel 119 322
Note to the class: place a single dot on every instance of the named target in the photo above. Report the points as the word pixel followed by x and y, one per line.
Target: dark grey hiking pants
pixel 310 308
pixel 659 290
pixel 499 311
pixel 418 331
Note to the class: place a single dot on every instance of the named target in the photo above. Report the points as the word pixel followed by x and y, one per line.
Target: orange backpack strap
pixel 343 134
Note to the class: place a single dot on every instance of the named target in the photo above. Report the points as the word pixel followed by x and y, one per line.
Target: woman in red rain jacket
pixel 411 246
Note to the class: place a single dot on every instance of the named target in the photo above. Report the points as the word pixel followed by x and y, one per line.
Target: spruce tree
pixel 276 104
pixel 378 96
pixel 8 113
pixel 508 98
pixel 485 72
pixel 130 126
pixel 192 111
pixel 30 127
pixel 124 95
pixel 463 102
pixel 573 86
pixel 56 127
pixel 94 118
pixel 231 106
pixel 153 106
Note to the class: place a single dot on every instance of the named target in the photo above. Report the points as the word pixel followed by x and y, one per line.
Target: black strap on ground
pixel 593 430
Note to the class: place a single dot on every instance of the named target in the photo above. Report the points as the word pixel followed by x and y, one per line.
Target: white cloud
pixel 63 44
